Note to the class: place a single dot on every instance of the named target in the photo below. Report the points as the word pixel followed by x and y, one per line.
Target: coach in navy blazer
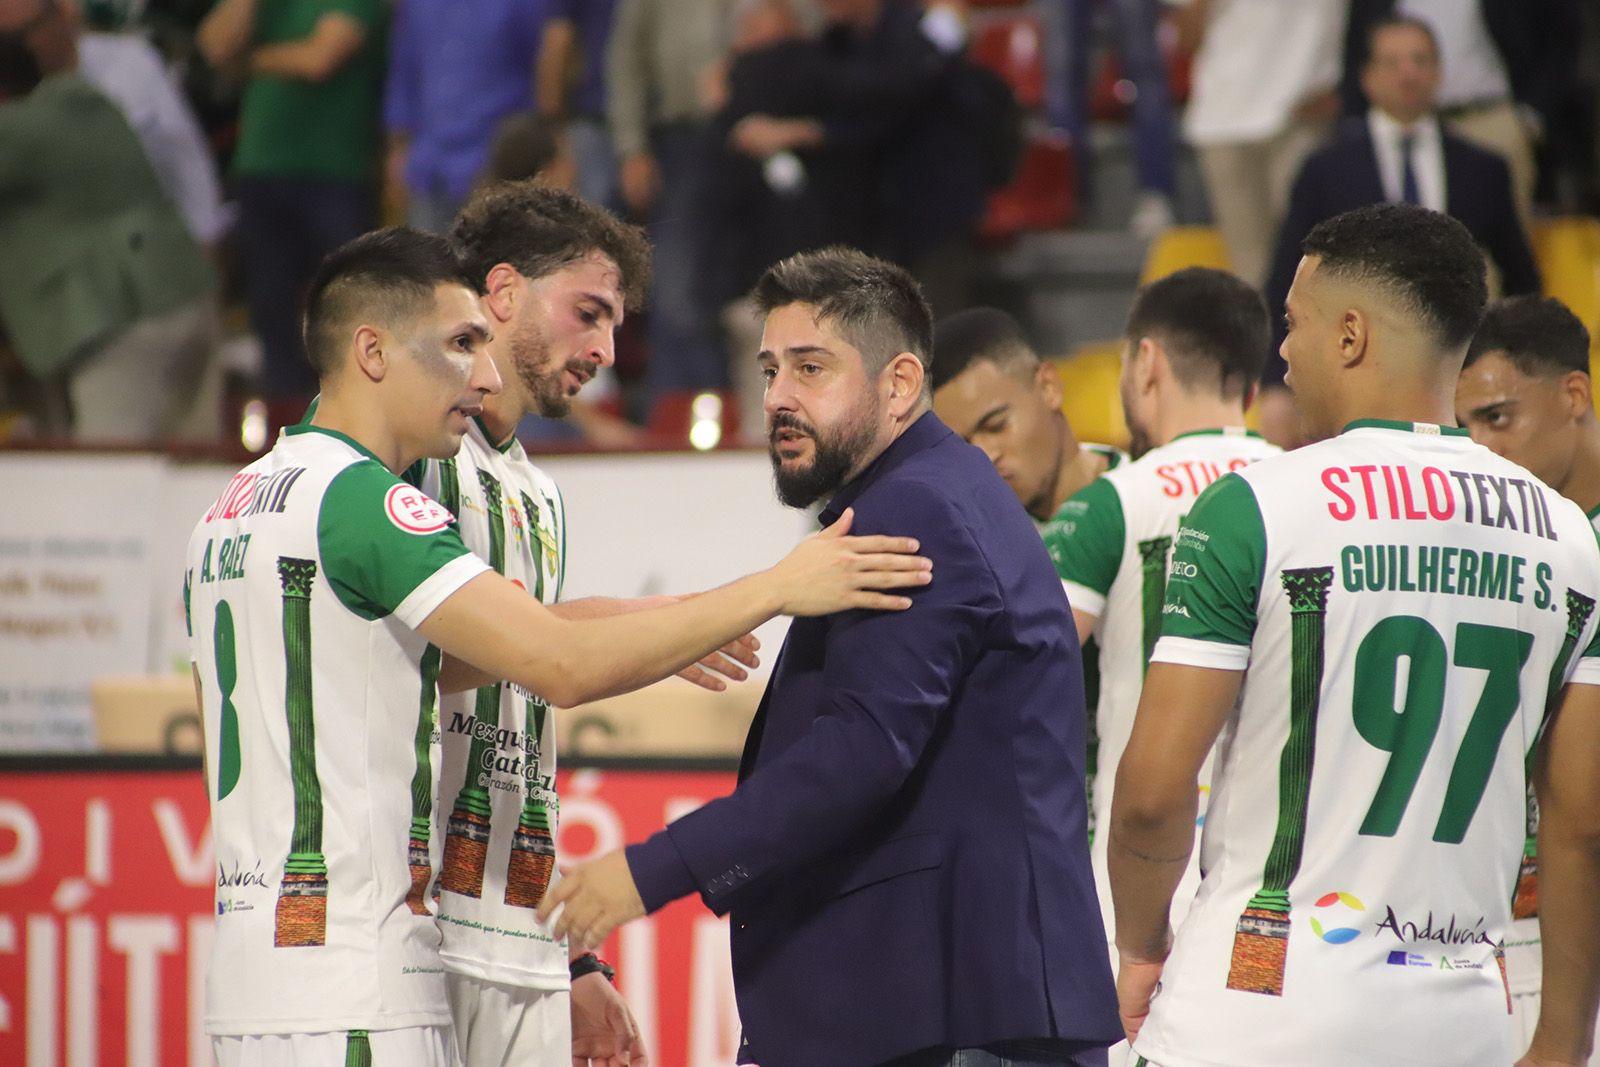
pixel 905 858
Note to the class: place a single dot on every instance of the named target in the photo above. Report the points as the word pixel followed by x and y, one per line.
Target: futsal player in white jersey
pixel 1525 393
pixel 559 275
pixel 316 587
pixel 1193 350
pixel 1381 627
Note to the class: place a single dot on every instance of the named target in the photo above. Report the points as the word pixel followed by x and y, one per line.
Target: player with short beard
pixel 558 276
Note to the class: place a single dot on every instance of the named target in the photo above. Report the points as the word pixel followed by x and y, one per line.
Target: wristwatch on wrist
pixel 589 963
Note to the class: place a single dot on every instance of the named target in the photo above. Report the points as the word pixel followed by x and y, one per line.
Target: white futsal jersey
pixel 1111 543
pixel 492 834
pixel 1404 604
pixel 304 582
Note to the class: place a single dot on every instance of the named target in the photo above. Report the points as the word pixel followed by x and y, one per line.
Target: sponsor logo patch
pixel 414 511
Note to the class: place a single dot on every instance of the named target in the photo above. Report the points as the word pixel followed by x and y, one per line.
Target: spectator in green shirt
pixel 305 167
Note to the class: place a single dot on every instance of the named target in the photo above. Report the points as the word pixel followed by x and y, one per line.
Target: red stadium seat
pixel 1042 197
pixel 1013 49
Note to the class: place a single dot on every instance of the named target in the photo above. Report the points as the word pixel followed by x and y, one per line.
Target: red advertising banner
pixel 107 887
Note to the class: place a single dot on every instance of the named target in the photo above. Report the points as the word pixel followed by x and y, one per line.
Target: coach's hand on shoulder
pixel 830 571
pixel 594 899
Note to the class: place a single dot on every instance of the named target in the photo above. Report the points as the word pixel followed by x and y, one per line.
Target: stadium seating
pixel 1012 47
pixel 1041 197
pixel 1184 246
pixel 1089 396
pixel 1568 253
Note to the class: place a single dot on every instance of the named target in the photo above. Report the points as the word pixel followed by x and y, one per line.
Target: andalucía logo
pixel 1337 935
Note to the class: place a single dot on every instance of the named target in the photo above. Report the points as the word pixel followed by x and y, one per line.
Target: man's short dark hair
pixel 539 230
pixel 978 335
pixel 1426 261
pixel 1538 334
pixel 1392 21
pixel 386 277
pixel 1212 324
pixel 875 305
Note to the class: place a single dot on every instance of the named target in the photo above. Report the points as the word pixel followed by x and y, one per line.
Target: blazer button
pixel 136 241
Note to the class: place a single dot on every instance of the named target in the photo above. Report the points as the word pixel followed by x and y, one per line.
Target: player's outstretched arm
pixel 729 661
pixel 1567 779
pixel 1153 809
pixel 502 631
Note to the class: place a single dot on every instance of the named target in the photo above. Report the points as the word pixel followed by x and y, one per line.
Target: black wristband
pixel 589 963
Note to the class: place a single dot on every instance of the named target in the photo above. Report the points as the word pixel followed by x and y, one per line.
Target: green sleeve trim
pixel 1087 536
pixel 370 561
pixel 1218 562
pixel 561 519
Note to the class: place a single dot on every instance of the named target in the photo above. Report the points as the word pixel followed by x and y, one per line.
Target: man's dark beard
pixel 832 458
pixel 543 382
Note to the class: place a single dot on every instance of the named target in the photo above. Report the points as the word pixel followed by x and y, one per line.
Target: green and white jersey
pixel 304 583
pixel 1404 604
pixel 493 829
pixel 1111 543
pixel 1114 458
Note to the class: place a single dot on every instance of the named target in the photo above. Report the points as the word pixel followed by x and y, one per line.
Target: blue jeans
pixel 1069 36
pixel 287 223
pixel 596 161
pixel 685 344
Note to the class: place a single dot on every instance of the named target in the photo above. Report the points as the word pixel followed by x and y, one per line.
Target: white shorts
pixel 424 1046
pixel 500 1025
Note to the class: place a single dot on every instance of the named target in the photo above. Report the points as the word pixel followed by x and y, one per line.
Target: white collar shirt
pixel 1427 158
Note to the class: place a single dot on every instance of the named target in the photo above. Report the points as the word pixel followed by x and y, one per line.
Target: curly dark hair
pixel 1425 260
pixel 539 230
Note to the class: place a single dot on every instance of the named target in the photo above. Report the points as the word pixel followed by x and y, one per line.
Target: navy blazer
pixel 1344 176
pixel 905 858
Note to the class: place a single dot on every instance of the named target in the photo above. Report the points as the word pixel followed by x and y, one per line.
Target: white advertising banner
pixel 92 548
pixel 75 588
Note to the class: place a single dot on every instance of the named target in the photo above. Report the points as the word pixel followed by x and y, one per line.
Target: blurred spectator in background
pixel 1398 152
pixel 897 100
pixel 121 62
pixel 656 62
pixel 572 85
pixel 104 295
pixel 1263 97
pixel 1071 32
pixel 455 71
pixel 1506 68
pixel 306 160
pixel 761 208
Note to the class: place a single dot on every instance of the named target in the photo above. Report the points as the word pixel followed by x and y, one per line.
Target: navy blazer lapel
pixel 1366 180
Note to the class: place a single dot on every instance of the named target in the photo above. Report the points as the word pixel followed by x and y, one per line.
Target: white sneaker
pixel 1152 213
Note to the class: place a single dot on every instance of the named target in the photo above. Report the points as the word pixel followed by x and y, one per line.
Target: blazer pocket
pixel 897 856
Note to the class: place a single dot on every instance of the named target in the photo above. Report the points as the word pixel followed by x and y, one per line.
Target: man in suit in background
pixel 905 858
pixel 1398 152
pixel 1509 74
